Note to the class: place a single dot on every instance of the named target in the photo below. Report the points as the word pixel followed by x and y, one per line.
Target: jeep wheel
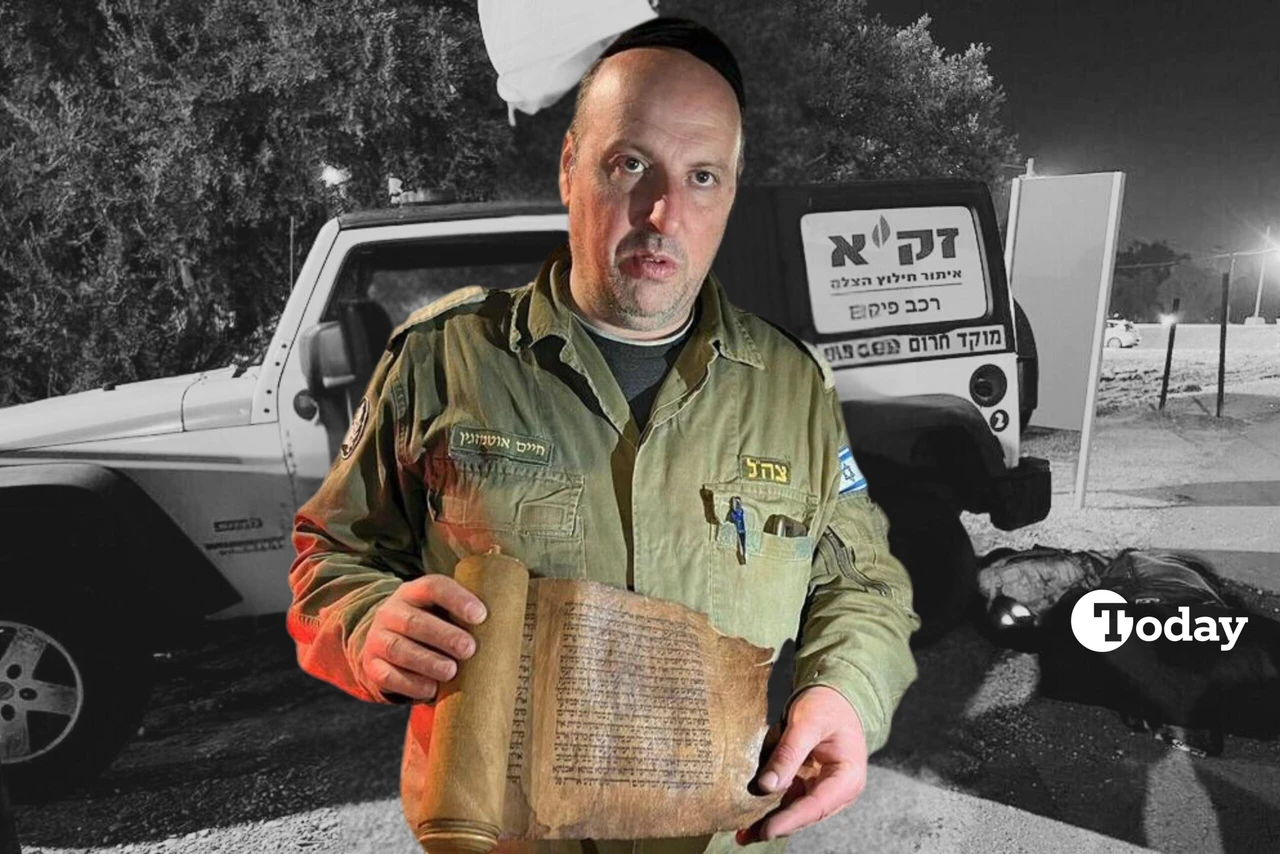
pixel 928 537
pixel 72 691
pixel 1113 342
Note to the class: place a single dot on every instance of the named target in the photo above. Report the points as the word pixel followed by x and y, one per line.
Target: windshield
pixel 406 275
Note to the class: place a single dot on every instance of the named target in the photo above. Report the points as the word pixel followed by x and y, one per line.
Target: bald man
pixel 654 396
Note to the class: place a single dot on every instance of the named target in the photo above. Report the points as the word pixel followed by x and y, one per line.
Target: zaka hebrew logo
pixel 851 248
pixel 881 233
pixel 1101 622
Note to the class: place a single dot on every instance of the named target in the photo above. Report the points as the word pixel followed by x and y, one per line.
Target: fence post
pixel 1222 338
pixel 1168 354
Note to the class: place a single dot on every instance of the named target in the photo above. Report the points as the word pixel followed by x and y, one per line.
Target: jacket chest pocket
pixel 530 512
pixel 758 592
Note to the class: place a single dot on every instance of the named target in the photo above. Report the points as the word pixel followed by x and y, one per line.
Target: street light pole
pixel 1262 272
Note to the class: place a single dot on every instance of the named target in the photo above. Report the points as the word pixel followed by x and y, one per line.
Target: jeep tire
pixel 73 687
pixel 927 536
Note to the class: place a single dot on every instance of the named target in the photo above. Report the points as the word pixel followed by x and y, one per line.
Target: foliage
pixel 833 93
pixel 1141 268
pixel 153 153
pixel 862 99
pixel 148 184
pixel 1150 275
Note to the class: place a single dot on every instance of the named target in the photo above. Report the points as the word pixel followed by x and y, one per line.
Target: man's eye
pixel 632 165
pixel 703 178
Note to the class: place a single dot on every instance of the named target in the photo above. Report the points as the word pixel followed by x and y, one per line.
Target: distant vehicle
pixel 1122 333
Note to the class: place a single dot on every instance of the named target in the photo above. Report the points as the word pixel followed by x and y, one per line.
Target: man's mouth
pixel 648 265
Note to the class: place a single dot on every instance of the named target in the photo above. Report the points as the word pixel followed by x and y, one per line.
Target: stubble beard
pixel 623 295
pixel 623 303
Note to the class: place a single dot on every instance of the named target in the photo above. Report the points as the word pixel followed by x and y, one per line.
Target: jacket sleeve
pixel 858 617
pixel 359 537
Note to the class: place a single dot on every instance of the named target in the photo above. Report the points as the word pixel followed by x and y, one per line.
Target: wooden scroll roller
pixel 469 740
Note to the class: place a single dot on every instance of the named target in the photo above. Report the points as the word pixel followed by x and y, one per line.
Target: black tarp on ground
pixel 1190 693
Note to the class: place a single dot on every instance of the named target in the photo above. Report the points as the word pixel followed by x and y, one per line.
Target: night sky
pixel 1184 97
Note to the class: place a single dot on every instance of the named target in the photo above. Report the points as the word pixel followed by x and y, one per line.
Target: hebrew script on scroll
pixel 591 712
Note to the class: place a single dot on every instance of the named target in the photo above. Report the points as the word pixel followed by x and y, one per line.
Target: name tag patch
pixel 496 443
pixel 851 479
pixel 765 469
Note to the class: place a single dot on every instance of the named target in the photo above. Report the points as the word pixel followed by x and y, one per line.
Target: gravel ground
pixel 1149 471
pixel 236 737
pixel 973 722
pixel 1142 460
pixel 242 752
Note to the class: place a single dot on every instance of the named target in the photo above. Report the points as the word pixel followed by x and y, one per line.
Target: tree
pixel 833 93
pixel 1141 268
pixel 1197 286
pixel 154 152
pixel 148 187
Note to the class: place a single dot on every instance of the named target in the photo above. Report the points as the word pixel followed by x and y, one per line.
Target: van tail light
pixel 988 385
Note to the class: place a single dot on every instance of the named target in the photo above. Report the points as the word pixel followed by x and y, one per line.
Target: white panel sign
pixel 1060 252
pixel 892 267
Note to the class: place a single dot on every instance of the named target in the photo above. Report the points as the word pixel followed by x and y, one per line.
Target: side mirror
pixel 326 362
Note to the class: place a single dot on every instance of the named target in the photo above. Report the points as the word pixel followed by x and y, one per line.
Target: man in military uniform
pixel 617 420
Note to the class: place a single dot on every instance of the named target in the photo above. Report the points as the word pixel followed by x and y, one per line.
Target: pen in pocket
pixel 740 523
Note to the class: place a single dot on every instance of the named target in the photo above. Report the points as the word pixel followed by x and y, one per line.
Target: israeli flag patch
pixel 851 480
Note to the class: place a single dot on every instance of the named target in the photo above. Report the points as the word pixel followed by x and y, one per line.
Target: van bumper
pixel 1022 495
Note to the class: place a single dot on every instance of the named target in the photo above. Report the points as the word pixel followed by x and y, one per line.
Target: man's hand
pixel 823 730
pixel 409 650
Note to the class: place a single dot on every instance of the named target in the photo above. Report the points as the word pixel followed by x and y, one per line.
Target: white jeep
pixel 131 513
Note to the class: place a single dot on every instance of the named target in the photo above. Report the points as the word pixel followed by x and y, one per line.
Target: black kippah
pixel 692 38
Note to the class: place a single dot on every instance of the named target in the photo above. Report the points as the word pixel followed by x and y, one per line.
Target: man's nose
pixel 660 203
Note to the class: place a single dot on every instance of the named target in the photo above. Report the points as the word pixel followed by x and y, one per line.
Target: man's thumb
pixel 792 750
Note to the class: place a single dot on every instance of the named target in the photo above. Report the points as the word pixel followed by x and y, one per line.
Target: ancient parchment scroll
pixel 592 712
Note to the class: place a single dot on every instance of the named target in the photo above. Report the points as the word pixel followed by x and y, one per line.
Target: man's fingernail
pixel 769 781
pixel 475 613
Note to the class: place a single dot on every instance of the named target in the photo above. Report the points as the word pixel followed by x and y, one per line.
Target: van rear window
pixel 893 267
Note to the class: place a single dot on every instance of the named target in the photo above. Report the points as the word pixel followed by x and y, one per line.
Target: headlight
pixel 988 385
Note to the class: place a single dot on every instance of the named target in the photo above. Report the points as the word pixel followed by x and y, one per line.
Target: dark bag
pixel 1190 693
pixel 1035 578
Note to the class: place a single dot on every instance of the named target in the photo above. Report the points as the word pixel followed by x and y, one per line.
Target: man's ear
pixel 566 167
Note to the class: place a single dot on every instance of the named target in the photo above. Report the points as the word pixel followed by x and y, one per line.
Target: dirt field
pixel 1130 378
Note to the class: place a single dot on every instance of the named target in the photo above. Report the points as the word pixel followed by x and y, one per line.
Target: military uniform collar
pixel 547 314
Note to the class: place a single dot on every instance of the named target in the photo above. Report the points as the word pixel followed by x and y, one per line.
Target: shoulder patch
pixel 448 302
pixel 828 379
pixel 358 422
pixel 851 479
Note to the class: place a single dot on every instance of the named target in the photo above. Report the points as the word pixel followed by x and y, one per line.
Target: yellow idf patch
pixel 763 468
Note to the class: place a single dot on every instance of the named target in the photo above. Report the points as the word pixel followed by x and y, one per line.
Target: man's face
pixel 649 179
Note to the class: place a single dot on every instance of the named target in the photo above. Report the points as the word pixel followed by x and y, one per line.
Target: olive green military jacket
pixel 493 419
